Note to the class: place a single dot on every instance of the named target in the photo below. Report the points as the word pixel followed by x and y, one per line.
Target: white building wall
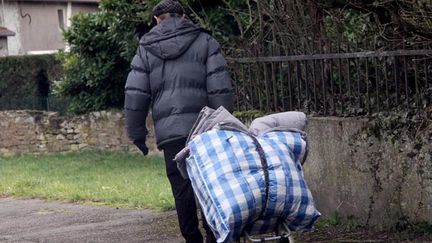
pixel 43 33
pixel 3 46
pixel 11 19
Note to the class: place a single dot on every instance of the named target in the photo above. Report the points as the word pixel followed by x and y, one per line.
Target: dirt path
pixel 41 221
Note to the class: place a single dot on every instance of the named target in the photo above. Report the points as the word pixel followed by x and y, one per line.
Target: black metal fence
pixel 51 103
pixel 350 83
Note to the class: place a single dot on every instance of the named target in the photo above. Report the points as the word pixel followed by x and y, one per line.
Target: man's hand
pixel 142 146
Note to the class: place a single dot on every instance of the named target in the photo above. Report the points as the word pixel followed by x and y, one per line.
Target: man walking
pixel 177 70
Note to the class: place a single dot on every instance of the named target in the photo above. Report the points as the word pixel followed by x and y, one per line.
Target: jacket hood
pixel 171 38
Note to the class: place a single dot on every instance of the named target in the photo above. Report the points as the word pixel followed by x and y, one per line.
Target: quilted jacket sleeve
pixel 219 84
pixel 137 97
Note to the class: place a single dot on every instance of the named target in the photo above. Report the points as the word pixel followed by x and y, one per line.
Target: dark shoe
pixel 196 238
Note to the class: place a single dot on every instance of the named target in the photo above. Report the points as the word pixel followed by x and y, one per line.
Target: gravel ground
pixel 41 221
pixel 38 220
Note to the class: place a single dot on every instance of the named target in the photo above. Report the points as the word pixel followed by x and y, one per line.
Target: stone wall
pixel 369 180
pixel 380 181
pixel 43 132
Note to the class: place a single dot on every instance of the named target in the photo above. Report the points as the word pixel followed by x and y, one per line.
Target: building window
pixel 61 18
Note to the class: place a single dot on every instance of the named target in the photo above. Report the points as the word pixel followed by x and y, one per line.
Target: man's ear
pixel 156 19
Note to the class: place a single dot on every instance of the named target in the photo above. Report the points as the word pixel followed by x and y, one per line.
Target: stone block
pixel 82 146
pixel 41 137
pixel 60 137
pixel 74 147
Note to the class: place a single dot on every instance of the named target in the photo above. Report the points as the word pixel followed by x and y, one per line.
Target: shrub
pixel 27 76
pixel 102 45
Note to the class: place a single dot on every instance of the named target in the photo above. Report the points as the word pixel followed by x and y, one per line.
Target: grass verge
pixel 107 178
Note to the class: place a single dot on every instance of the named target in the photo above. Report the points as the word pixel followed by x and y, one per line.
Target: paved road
pixel 40 221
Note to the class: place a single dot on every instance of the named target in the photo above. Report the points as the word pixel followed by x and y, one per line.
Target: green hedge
pixel 24 76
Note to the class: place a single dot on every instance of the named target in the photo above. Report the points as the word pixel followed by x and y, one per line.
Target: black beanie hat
pixel 167 6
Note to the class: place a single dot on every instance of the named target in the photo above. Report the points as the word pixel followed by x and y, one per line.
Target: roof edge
pixel 6 32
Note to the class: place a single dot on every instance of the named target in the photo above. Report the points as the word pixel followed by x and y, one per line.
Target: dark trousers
pixel 184 197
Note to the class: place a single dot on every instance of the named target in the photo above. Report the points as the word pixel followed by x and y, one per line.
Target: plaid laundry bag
pixel 252 184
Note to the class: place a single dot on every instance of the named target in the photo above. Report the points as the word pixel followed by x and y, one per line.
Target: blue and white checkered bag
pixel 228 178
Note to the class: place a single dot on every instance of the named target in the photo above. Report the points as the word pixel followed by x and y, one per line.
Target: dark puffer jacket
pixel 178 69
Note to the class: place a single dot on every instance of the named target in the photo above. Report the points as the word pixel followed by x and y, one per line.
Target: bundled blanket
pixel 249 181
